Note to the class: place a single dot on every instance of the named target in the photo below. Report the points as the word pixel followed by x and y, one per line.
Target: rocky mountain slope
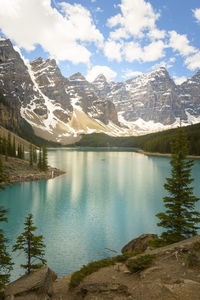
pixel 153 97
pixel 54 106
pixel 60 109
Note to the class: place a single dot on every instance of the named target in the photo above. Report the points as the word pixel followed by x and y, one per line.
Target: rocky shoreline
pixel 174 274
pixel 19 170
pixel 163 154
pixel 50 174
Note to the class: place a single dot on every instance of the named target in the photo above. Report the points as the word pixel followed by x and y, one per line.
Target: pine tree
pixel 31 155
pixel 40 160
pixel 19 151
pixel 3 177
pixel 180 218
pixel 5 148
pixel 34 155
pixel 1 145
pixel 9 145
pixel 44 159
pixel 23 152
pixel 32 245
pixel 13 147
pixel 5 260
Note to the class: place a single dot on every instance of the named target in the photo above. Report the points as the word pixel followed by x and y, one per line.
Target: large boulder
pixel 37 285
pixel 139 244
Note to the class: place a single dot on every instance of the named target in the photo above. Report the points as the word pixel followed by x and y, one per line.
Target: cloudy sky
pixel 119 38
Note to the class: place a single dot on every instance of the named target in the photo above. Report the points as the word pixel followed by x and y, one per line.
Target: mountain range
pixel 60 109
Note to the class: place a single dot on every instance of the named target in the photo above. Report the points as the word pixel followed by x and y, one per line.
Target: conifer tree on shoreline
pixel 5 259
pixel 44 158
pixel 31 155
pixel 180 218
pixel 32 245
pixel 3 177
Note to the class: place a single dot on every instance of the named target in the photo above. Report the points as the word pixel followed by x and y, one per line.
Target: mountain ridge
pixel 60 109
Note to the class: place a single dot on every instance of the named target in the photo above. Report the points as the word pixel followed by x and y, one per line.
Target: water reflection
pixel 104 200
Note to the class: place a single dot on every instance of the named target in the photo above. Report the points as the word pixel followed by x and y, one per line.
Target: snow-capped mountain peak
pixel 59 108
pixel 77 77
pixel 100 78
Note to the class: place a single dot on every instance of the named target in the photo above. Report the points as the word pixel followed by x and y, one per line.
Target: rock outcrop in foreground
pixel 37 285
pixel 139 244
pixel 173 275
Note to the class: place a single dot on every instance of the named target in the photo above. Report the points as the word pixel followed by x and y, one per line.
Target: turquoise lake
pixel 105 199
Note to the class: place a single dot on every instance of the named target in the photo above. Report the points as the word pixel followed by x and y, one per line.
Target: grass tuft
pixel 94 266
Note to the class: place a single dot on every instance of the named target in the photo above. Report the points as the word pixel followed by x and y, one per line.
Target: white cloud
pixel 133 51
pixel 96 70
pixel 179 80
pixel 196 13
pixel 34 22
pixel 130 74
pixel 136 20
pixel 151 52
pixel 180 43
pixel 165 64
pixel 118 34
pixel 112 50
pixel 193 62
pixel 154 51
pixel 136 17
pixel 114 21
pixel 155 34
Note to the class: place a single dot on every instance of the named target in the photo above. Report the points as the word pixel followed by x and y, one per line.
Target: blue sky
pixel 120 39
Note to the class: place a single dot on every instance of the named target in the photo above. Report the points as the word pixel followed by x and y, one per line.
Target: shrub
pixel 196 246
pixel 140 263
pixel 125 256
pixel 94 266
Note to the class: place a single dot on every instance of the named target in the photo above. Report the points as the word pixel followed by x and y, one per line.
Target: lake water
pixel 105 199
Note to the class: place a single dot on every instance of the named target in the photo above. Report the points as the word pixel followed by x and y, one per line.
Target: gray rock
pixel 91 102
pixel 139 244
pixel 152 97
pixel 37 285
pixel 103 291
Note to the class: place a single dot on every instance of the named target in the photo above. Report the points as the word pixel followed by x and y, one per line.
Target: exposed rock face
pixel 51 82
pixel 95 106
pixel 189 92
pixel 104 291
pixel 58 108
pixel 37 285
pixel 139 244
pixel 51 103
pixel 15 81
pixel 11 119
pixel 151 97
pixel 102 87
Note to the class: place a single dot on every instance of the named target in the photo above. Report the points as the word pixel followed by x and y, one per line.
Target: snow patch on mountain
pixel 74 103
